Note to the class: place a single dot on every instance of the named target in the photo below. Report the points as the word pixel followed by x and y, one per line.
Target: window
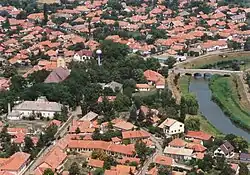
pixel 180 125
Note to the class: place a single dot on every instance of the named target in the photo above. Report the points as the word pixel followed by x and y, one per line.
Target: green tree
pixel 45 14
pixel 9 71
pixel 192 124
pixel 28 144
pixel 153 64
pixel 191 103
pixel 247 44
pixel 141 149
pixel 206 164
pixel 164 170
pixel 122 103
pixel 170 62
pixel 78 130
pixel 48 171
pixel 74 169
pixel 38 76
pixel 164 71
pixel 243 169
pixel 98 171
pixel 183 109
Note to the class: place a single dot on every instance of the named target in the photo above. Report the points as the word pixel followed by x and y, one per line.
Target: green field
pixel 226 95
pixel 205 126
pixel 213 59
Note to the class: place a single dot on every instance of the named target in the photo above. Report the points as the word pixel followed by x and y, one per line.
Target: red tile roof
pixel 164 160
pixel 135 134
pixel 198 135
pixel 95 163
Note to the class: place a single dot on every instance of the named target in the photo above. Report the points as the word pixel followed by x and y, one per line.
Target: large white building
pixel 172 127
pixel 41 106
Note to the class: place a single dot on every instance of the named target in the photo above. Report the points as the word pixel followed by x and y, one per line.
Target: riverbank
pixel 215 58
pixel 226 93
pixel 205 125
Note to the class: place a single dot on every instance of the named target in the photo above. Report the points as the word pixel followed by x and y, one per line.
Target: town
pixel 108 87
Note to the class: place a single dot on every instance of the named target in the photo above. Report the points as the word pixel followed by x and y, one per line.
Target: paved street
pixel 159 151
pixel 60 133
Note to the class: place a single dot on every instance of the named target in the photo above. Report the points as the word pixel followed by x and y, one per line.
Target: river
pixel 212 111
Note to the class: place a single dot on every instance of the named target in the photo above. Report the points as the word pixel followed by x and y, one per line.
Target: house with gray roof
pixel 57 75
pixel 41 106
pixel 114 86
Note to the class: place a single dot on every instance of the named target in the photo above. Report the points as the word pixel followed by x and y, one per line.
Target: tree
pixel 141 149
pixel 38 76
pixel 74 169
pixel 191 103
pixel 170 62
pixel 28 144
pixel 247 44
pixel 164 170
pixel 227 170
pixel 206 164
pixel 78 130
pixel 192 124
pixel 45 14
pixel 98 171
pixel 243 169
pixel 48 171
pixel 122 103
pixel 183 109
pixel 153 64
pixel 9 71
pixel 164 71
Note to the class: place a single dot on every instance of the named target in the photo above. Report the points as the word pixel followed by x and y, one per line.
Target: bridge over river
pixel 204 72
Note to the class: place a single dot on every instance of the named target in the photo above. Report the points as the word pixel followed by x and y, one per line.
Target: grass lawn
pixel 184 84
pixel 227 96
pixel 211 59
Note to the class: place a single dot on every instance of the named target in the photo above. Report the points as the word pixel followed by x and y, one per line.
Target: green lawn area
pixel 226 95
pixel 184 84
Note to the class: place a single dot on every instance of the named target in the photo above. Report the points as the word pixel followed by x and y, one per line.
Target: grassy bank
pixel 205 125
pixel 213 59
pixel 227 96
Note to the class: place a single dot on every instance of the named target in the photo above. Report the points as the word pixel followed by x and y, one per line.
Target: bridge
pixel 204 72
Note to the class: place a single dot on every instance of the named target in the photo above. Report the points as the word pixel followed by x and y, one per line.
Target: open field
pixel 213 58
pixel 205 126
pixel 231 100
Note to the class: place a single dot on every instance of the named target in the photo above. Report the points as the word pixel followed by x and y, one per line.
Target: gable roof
pixel 164 160
pixel 226 147
pixel 15 162
pixel 57 75
pixel 199 135
pixel 135 134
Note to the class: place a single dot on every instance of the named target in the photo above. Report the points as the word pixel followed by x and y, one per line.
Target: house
pixel 245 157
pixel 155 78
pixel 57 75
pixel 15 164
pixel 109 98
pixel 179 153
pixel 54 160
pixel 121 170
pixel 135 135
pixel 83 55
pixel 143 87
pixel 214 45
pixel 94 163
pixel 239 18
pixel 124 126
pixel 4 84
pixel 41 106
pixel 90 116
pixel 199 135
pixel 177 143
pixel 164 160
pixel 172 127
pixel 235 167
pixel 110 148
pixel 226 150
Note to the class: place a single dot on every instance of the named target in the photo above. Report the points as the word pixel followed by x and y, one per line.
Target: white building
pixel 226 150
pixel 143 87
pixel 179 153
pixel 41 106
pixel 172 127
pixel 83 55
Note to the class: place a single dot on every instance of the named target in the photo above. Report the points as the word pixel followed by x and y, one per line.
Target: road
pixel 159 151
pixel 59 134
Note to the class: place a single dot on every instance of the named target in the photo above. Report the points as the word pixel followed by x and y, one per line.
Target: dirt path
pixel 175 89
